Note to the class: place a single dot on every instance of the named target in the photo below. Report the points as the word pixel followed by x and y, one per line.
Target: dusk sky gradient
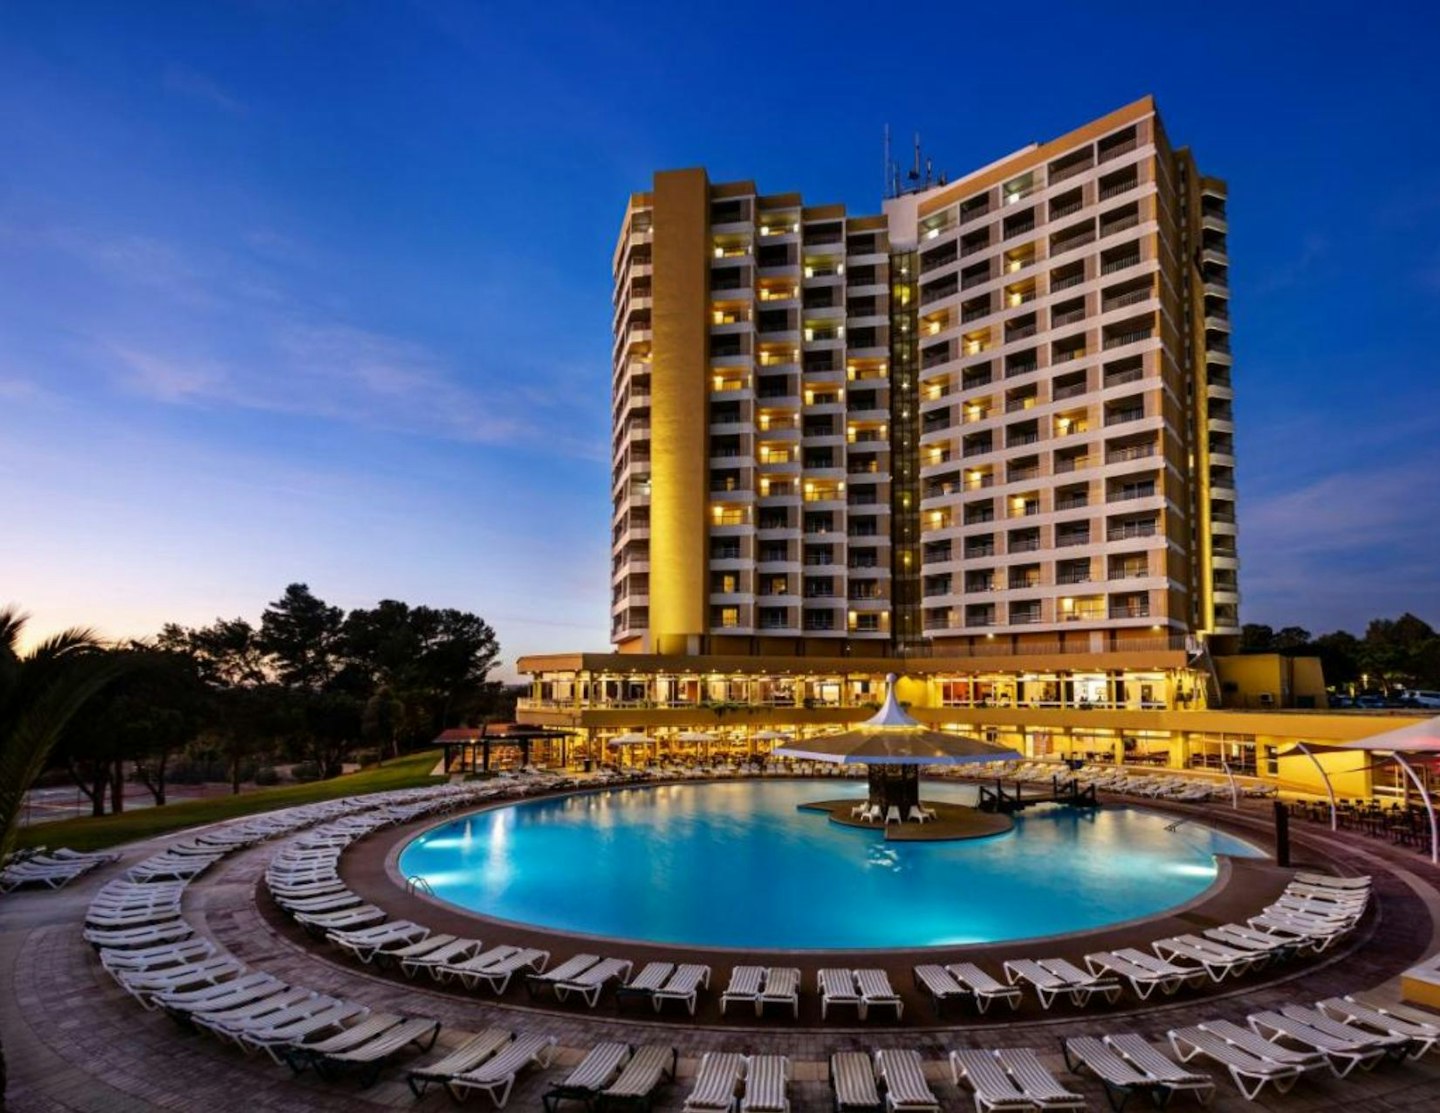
pixel 297 290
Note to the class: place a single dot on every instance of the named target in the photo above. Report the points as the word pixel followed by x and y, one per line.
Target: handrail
pixel 418 884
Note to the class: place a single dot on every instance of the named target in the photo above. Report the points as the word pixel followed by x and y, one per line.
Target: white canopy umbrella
pixel 630 740
pixel 893 738
pixel 695 736
pixel 770 736
pixel 1418 738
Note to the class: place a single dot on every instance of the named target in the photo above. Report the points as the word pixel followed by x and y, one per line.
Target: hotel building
pixel 983 438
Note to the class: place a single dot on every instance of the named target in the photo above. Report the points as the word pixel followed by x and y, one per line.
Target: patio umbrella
pixel 769 736
pixel 695 736
pixel 894 745
pixel 630 740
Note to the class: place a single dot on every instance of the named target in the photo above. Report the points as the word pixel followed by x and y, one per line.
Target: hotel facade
pixel 983 438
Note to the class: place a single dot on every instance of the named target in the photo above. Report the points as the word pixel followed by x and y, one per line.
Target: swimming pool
pixel 734 864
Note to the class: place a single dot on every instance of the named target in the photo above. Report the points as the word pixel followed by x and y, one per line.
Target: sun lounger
pixel 321 922
pixel 993 1087
pixel 227 1023
pixel 1143 980
pixel 1121 1079
pixel 1168 1074
pixel 782 987
pixel 165 932
pixel 852 1082
pixel 1390 1020
pixel 591 983
pixel 985 988
pixel 767 1085
pixel 496 1076
pixel 428 953
pixel 877 992
pixel 905 1087
pixel 715 1083
pixel 639 1078
pixel 644 984
pixel 497 974
pixel 465 1057
pixel 1329 881
pixel 593 1073
pixel 366 943
pixel 231 994
pixel 1049 984
pixel 145 984
pixel 571 968
pixel 1344 1046
pixel 293 1033
pixel 1251 1066
pixel 1244 938
pixel 1217 959
pixel 369 1057
pixel 683 985
pixel 157 957
pixel 940 984
pixel 1040 1086
pixel 837 987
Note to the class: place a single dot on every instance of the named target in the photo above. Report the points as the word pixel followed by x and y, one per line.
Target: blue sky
pixel 320 291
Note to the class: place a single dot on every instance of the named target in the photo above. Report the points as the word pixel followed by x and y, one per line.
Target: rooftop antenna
pixel 885 170
pixel 915 170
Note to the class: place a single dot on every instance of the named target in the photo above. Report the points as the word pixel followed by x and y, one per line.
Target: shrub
pixel 267 775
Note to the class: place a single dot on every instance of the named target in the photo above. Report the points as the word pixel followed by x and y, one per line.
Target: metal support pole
pixel 1234 788
pixel 1329 788
pixel 1429 805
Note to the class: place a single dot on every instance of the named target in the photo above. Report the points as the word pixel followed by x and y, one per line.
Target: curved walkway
pixel 73 1040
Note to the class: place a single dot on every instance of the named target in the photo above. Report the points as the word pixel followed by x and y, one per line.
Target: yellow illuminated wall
pixel 678 420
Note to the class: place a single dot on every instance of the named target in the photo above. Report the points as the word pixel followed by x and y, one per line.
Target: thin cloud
pixel 185 82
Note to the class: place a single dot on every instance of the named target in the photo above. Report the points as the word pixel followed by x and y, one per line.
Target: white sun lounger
pixel 877 992
pixel 1329 881
pixel 360 916
pixel 1143 980
pixel 429 952
pixel 591 1075
pixel 496 1076
pixel 591 983
pixel 466 1057
pixel 782 987
pixel 1252 1060
pixel 369 1057
pixel 1050 984
pixel 940 984
pixel 248 987
pixel 165 932
pixel 143 985
pixel 571 968
pixel 643 985
pixel 852 1081
pixel 1119 1076
pixel 1169 1075
pixel 715 1083
pixel 684 985
pixel 1391 1020
pixel 498 974
pixel 287 1018
pixel 837 987
pixel 157 957
pixel 256 1013
pixel 985 988
pixel 1040 1086
pixel 1344 1046
pixel 905 1086
pixel 636 1085
pixel 767 1085
pixel 993 1087
pixel 294 1030
pixel 366 943
pixel 745 983
pixel 1217 959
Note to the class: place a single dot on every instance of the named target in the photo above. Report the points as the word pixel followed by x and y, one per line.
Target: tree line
pixel 311 685
pixel 1393 654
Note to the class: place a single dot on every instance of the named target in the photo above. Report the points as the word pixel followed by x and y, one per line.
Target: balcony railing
pixel 1132 531
pixel 1120 264
pixel 1140 491
pixel 1069 391
pixel 1117 188
pixel 1133 297
pixel 1121 417
pixel 1130 452
pixel 1067 281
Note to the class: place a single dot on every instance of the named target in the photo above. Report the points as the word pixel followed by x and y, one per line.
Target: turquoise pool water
pixel 736 865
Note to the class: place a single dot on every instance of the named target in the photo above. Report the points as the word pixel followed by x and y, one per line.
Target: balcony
pixel 1135 491
pixel 1123 262
pixel 1131 531
pixel 1135 336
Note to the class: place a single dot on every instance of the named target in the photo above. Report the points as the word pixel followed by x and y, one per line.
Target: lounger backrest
pixel 1036 974
pixel 1034 1078
pixel 782 981
pixel 1105 1062
pixel 391 1040
pixel 904 1076
pixel 836 983
pixel 1134 1047
pixel 985 1074
pixel 974 977
pixel 716 1079
pixel 875 983
pixel 652 976
pixel 746 980
pixel 643 1072
pixel 511 1058
pixel 572 967
pixel 853 1076
pixel 765 1079
pixel 688 978
pixel 603 971
pixel 1224 1050
pixel 599 1064
pixel 472 1052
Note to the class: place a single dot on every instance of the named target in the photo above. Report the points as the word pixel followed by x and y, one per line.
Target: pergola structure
pixel 463 745
pixel 1403 745
pixel 894 745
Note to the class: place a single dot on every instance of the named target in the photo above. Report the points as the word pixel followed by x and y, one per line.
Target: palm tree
pixel 40 691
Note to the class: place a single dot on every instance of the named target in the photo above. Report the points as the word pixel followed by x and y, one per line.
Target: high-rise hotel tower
pixel 999 411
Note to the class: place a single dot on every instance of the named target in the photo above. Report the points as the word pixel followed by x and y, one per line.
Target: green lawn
pixel 90 833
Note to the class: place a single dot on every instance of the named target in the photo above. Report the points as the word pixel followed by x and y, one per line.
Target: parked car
pixel 1371 702
pixel 1419 697
pixel 1340 701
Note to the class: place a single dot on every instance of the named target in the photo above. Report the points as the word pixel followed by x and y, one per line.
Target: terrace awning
pixel 1418 739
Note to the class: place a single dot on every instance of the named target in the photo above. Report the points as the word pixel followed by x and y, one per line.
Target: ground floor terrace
pixel 75 1041
pixel 1155 709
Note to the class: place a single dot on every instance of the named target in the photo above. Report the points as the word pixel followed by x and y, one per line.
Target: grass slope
pixel 92 833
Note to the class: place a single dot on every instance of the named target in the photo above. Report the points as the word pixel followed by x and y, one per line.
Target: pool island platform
pixel 951 822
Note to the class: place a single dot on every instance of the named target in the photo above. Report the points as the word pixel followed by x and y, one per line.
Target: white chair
pixel 892 815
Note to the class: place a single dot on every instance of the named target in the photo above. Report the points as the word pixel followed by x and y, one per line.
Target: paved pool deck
pixel 73 1041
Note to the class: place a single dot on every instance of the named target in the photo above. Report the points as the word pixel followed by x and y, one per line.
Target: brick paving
pixel 74 1041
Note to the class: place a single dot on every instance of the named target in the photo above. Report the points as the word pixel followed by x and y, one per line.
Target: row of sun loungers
pixel 51 869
